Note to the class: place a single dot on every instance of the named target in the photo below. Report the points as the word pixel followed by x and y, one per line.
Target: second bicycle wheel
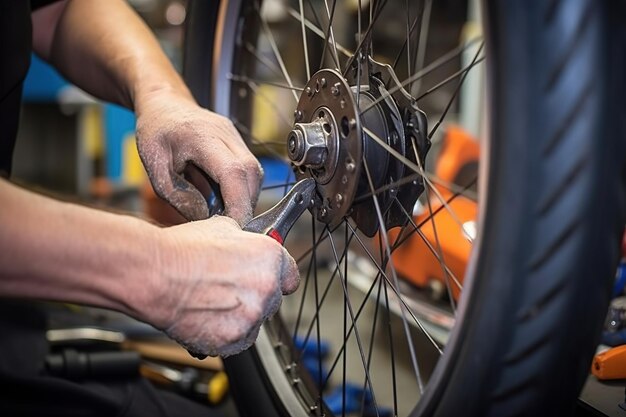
pixel 347 93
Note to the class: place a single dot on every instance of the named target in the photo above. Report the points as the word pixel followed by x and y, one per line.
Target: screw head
pixel 297 115
pixel 338 199
pixel 350 166
pixel 335 89
pixel 323 212
pixel 323 82
pixel 308 91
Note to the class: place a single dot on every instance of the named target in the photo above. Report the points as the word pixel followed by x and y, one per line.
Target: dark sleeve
pixel 36 4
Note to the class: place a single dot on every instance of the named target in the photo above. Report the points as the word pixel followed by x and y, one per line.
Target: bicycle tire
pixel 554 199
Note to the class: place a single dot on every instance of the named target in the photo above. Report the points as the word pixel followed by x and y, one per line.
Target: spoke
pixel 324 294
pixel 456 92
pixel 393 360
pixel 308 251
pixel 446 271
pixel 417 169
pixel 401 241
pixel 306 284
pixel 279 58
pixel 382 273
pixel 246 132
pixel 407 42
pixel 273 187
pixel 423 41
pixel 442 60
pixel 356 330
pixel 436 254
pixel 345 325
pixel 246 79
pixel 265 61
pixel 366 37
pixel 317 319
pixel 383 232
pixel 305 44
pixel 319 32
pixel 450 78
pixel 255 88
pixel 330 36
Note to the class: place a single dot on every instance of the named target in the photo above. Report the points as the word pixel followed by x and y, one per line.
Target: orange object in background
pixel 610 364
pixel 415 261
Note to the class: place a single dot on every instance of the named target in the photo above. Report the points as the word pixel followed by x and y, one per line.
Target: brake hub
pixel 342 138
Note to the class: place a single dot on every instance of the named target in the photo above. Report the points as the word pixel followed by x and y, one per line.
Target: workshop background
pixel 78 148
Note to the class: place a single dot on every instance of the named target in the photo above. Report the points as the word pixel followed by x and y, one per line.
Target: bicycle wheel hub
pixel 342 137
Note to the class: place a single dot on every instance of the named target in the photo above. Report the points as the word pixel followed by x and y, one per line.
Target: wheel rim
pixel 236 94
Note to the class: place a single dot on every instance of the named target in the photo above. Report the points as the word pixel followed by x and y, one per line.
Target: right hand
pixel 217 285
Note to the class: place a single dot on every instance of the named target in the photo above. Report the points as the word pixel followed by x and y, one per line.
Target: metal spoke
pixel 275 186
pixel 279 58
pixel 442 60
pixel 356 330
pixel 450 78
pixel 330 36
pixel 366 37
pixel 436 254
pixel 423 40
pixel 381 273
pixel 383 232
pixel 456 92
pixel 255 88
pixel 417 169
pixel 263 60
pixel 305 45
pixel 319 32
pixel 246 132
pixel 245 79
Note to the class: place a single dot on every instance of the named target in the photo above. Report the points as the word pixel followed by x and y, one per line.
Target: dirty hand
pixel 173 132
pixel 217 285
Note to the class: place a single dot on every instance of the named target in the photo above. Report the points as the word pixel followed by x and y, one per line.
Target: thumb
pixel 289 275
pixel 180 193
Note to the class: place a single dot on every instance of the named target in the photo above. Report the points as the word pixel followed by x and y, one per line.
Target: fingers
pixel 170 186
pixel 232 175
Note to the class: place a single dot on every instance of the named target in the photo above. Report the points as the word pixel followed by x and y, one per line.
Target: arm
pixel 105 48
pixel 187 280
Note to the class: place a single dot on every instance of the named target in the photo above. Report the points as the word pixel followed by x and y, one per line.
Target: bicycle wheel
pixel 527 313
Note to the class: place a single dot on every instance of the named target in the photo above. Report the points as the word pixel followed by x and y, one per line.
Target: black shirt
pixel 15 49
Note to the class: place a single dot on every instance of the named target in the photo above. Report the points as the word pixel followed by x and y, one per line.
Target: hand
pixel 218 284
pixel 174 132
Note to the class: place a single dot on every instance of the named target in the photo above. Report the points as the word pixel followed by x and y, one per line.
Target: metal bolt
pixel 308 91
pixel 323 82
pixel 334 90
pixel 323 212
pixel 339 200
pixel 352 123
pixel 350 166
pixel 297 114
pixel 344 179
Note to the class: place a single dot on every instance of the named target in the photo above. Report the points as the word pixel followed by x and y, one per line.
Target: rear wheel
pixel 361 335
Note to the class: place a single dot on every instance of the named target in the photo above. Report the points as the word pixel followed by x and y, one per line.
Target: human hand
pixel 173 132
pixel 217 285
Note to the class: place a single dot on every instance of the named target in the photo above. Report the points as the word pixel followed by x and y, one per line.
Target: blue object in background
pixel 43 83
pixel 119 123
pixel 620 279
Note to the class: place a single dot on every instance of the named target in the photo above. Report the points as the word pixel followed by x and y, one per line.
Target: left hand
pixel 174 132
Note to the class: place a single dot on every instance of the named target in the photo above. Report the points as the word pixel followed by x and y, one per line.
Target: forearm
pixel 106 49
pixel 58 251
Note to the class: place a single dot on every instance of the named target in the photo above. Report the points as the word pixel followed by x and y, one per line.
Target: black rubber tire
pixel 555 204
